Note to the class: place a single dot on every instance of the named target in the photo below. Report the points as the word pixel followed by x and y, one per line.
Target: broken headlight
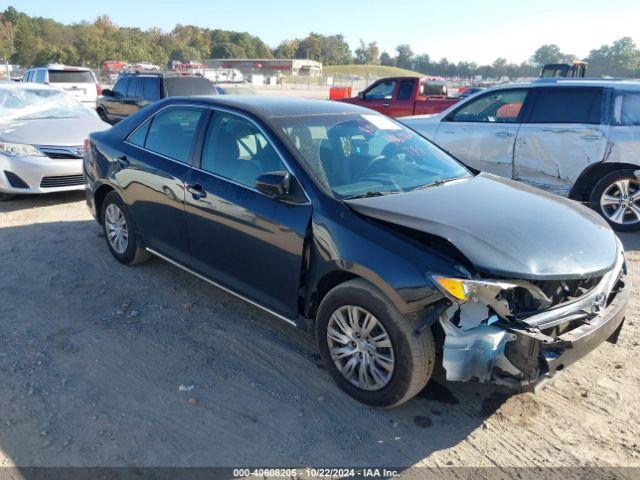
pixel 464 289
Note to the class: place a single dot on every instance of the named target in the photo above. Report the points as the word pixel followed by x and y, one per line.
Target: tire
pixel 103 115
pixel 132 251
pixel 623 216
pixel 5 197
pixel 413 355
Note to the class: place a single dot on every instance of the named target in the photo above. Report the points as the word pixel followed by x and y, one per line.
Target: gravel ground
pixel 94 355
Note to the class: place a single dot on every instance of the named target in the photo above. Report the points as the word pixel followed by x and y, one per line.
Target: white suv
pixel 577 138
pixel 77 81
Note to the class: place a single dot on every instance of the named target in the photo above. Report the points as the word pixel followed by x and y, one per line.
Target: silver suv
pixel 577 138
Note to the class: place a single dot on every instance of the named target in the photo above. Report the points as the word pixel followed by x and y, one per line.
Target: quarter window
pixel 381 91
pixel 171 132
pixel 234 148
pixel 626 110
pixel 502 106
pixel 567 105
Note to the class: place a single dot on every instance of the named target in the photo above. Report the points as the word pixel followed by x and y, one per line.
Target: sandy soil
pixel 94 353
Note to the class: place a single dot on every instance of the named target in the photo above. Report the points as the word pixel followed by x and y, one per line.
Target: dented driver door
pixel 562 134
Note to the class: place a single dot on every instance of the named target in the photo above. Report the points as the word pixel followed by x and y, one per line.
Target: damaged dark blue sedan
pixel 345 223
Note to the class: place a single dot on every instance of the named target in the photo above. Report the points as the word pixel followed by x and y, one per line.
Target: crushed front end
pixel 520 332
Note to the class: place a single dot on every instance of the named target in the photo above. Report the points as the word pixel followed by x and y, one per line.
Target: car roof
pixel 614 83
pixel 26 86
pixel 270 107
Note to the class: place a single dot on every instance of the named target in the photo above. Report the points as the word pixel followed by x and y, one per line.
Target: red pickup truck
pixel 402 96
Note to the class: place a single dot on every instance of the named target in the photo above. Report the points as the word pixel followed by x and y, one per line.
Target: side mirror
pixel 274 184
pixel 361 95
pixel 107 92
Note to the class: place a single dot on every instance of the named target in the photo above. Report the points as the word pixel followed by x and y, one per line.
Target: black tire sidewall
pixel 130 253
pixel 598 190
pixel 400 379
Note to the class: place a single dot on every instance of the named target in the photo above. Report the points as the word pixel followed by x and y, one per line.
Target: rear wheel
pixel 120 233
pixel 617 198
pixel 370 348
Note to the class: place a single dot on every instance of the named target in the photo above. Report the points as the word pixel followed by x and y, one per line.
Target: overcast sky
pixel 479 31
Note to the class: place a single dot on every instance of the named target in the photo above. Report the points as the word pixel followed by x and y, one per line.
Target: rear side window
pixel 185 86
pixel 151 88
pixel 567 105
pixel 405 90
pixel 626 109
pixel 171 132
pixel 70 76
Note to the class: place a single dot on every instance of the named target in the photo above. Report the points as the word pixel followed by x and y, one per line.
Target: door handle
pixel 590 138
pixel 196 191
pixel 504 134
pixel 386 104
pixel 124 161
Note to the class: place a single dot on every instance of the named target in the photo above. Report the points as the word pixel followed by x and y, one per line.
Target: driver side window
pixel 496 107
pixel 381 91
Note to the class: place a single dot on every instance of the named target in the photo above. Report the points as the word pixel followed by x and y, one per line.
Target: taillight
pixel 98 90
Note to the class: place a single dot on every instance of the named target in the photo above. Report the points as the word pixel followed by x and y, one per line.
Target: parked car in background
pixel 42 133
pixel 133 91
pixel 401 96
pixel 343 222
pixel 577 138
pixel 469 91
pixel 77 81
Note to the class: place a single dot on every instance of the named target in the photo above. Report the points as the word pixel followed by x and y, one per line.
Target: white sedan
pixel 42 133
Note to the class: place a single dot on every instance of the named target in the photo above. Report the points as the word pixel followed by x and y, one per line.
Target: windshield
pixel 358 155
pixel 31 104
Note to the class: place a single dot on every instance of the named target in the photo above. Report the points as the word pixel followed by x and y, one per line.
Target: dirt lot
pixel 93 355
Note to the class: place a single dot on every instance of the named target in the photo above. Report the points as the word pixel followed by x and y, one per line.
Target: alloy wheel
pixel 360 347
pixel 116 228
pixel 620 202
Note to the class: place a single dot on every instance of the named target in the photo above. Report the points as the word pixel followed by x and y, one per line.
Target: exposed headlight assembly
pixel 19 150
pixel 464 289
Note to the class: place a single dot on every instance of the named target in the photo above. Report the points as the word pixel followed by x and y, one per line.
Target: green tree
pixel 405 56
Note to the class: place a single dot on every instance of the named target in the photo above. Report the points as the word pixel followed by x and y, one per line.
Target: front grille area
pixel 523 302
pixel 15 180
pixel 62 153
pixel 63 181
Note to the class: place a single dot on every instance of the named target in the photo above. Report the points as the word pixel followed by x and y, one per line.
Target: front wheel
pixel 370 348
pixel 617 198
pixel 119 232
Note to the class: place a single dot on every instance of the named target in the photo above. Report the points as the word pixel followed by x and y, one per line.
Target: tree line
pixel 30 41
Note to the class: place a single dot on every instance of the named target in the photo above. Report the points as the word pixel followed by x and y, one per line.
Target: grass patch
pixel 370 70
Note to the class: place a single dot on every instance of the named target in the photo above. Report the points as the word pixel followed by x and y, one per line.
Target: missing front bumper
pixel 522 356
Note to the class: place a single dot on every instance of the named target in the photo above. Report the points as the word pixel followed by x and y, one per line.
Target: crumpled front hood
pixel 51 131
pixel 504 228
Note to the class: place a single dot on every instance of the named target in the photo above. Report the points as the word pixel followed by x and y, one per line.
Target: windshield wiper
pixel 369 195
pixel 437 183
